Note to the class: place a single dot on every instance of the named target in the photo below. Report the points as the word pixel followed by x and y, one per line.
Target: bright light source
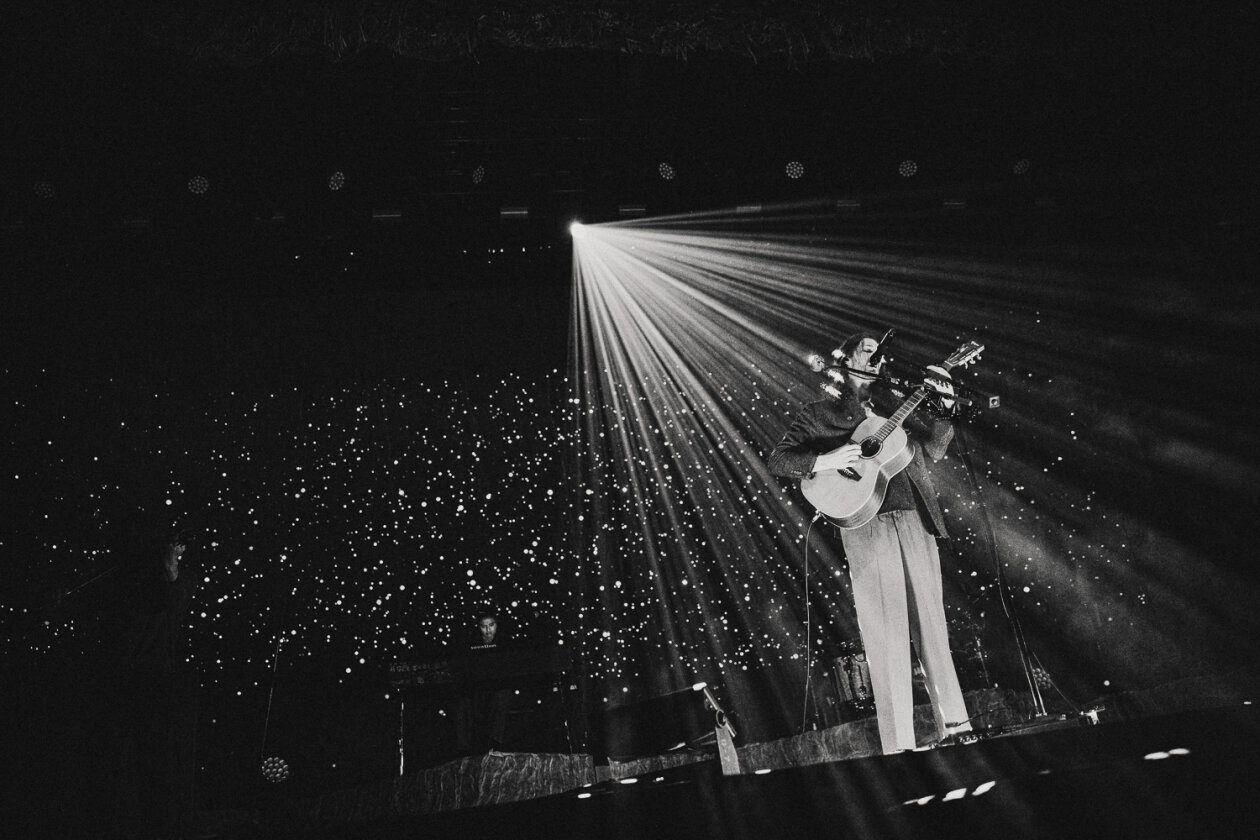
pixel 44 190
pixel 574 227
pixel 907 168
pixel 1021 166
pixel 198 185
pixel 666 171
pixel 337 180
pixel 794 169
pixel 479 174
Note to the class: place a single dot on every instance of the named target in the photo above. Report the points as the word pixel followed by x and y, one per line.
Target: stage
pixel 1152 766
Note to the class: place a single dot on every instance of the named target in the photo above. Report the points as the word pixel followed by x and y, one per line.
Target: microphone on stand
pixel 878 355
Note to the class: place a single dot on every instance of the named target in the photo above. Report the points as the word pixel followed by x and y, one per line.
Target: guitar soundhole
pixel 871 447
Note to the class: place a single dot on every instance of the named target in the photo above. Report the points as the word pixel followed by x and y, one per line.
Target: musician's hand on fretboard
pixel 941 385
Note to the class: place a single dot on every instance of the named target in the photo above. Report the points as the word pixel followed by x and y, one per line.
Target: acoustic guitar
pixel 851 497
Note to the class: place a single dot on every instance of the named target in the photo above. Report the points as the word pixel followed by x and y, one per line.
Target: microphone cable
pixel 809 659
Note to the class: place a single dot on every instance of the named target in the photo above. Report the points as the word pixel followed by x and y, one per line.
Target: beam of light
pixel 689 337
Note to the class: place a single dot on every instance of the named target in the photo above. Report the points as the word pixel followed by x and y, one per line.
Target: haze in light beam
pixel 688 345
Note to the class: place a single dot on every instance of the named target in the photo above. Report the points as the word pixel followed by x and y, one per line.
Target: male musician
pixel 154 710
pixel 893 560
pixel 488 627
pixel 481 719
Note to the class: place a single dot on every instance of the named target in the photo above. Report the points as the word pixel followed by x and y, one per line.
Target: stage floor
pixel 1155 774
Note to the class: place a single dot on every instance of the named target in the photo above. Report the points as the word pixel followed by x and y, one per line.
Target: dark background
pixel 1137 129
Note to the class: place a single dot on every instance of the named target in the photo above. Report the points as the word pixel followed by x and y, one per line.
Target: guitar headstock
pixel 964 355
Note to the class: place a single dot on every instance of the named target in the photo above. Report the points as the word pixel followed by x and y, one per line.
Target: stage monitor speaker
pixel 684 718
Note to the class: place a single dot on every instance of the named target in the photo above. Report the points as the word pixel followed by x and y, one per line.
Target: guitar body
pixel 851 498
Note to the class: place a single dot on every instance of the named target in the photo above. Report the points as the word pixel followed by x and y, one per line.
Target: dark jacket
pixel 827 424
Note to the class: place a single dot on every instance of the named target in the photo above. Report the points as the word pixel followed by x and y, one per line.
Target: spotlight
pixel 479 174
pixel 198 184
pixel 337 180
pixel 574 227
pixel 44 190
pixel 275 770
pixel 1021 166
pixel 666 171
pixel 794 169
pixel 907 168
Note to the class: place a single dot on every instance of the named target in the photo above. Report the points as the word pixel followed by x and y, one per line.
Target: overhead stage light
pixel 337 180
pixel 479 175
pixel 907 168
pixel 198 185
pixel 275 769
pixel 1021 166
pixel 44 190
pixel 574 227
pixel 666 171
pixel 794 169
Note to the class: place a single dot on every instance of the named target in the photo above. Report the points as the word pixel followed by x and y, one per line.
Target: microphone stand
pixel 978 396
pixel 1026 656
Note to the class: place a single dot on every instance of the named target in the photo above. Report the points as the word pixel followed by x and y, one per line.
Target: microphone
pixel 878 355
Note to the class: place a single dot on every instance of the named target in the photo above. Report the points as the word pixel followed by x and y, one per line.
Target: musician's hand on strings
pixel 941 385
pixel 839 459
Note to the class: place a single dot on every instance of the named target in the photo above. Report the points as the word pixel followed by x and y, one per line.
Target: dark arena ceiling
pixel 576 105
pixel 440 122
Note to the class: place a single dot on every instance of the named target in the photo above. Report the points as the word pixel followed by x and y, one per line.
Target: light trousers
pixel 896 574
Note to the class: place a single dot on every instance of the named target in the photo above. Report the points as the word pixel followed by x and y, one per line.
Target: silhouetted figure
pixel 481 719
pixel 155 704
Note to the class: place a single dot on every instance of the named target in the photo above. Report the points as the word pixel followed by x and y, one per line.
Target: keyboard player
pixel 481 719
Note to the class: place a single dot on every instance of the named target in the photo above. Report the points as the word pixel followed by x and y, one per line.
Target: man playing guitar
pixel 893 560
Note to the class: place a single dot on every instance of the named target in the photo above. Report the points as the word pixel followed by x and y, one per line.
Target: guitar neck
pixel 912 402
